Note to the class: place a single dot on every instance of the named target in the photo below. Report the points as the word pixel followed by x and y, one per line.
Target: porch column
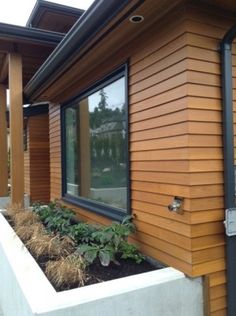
pixel 16 130
pixel 3 143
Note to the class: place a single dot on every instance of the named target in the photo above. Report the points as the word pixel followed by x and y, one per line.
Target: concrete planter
pixel 25 291
pixel 5 201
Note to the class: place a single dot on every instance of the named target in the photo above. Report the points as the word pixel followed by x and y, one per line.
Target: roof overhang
pixel 53 16
pixel 33 45
pixel 16 33
pixel 99 22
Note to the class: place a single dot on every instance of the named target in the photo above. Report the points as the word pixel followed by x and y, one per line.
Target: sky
pixel 18 11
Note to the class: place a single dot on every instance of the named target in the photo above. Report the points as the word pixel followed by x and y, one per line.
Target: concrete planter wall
pixel 25 291
pixel 5 201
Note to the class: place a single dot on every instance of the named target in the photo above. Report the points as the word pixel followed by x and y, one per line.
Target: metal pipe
pixel 229 169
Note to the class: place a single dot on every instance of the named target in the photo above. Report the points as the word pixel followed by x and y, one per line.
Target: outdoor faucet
pixel 176 205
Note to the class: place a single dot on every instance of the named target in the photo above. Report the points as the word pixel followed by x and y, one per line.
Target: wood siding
pixel 206 29
pixel 175 143
pixel 37 170
pixel 55 151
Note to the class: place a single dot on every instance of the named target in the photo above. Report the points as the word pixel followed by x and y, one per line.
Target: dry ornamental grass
pixel 67 271
pixel 49 246
pixel 25 218
pixel 26 232
pixel 65 268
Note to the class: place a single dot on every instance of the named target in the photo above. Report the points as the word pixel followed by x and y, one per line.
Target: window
pixel 95 155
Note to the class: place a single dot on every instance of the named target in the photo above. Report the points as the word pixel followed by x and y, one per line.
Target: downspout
pixel 229 169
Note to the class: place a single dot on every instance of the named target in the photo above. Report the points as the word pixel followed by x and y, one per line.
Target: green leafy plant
pixel 82 232
pixel 106 244
pixel 130 251
pixel 109 243
pixel 105 253
pixel 56 217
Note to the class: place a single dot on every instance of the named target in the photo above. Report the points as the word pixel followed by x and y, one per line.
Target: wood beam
pixel 16 130
pixel 3 144
pixel 4 70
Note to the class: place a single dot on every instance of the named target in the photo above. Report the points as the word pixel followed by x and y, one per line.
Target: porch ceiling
pixel 33 45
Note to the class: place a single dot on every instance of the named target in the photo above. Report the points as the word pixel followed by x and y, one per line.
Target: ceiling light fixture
pixel 136 19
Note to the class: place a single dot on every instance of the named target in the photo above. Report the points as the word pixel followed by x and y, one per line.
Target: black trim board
pixel 98 208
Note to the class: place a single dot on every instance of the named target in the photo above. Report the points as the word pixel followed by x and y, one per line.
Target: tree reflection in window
pixel 100 135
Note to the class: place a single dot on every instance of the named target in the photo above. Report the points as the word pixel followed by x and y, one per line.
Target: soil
pixel 114 271
pixel 97 273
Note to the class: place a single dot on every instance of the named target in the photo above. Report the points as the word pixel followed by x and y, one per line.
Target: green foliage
pixel 104 243
pixel 108 243
pixel 130 251
pixel 55 217
pixel 105 253
pixel 82 232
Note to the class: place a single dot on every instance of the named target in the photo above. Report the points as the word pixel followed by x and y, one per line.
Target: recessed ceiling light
pixel 136 19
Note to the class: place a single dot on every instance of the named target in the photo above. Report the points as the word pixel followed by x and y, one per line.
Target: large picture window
pixel 95 148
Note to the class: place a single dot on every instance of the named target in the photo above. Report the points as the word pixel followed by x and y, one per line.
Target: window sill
pixel 99 209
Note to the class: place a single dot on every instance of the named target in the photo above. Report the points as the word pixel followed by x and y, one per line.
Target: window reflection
pixel 96 128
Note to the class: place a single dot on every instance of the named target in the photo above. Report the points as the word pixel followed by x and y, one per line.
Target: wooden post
pixel 16 130
pixel 3 143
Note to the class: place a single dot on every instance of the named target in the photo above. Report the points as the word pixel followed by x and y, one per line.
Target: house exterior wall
pixel 36 157
pixel 175 144
pixel 27 165
pixel 205 31
pixel 55 151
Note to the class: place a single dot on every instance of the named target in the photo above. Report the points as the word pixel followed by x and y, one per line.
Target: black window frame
pixel 90 205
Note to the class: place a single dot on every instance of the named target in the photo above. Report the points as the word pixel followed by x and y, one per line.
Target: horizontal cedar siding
pixel 27 166
pixel 175 144
pixel 206 29
pixel 37 176
pixel 55 151
pixel 159 144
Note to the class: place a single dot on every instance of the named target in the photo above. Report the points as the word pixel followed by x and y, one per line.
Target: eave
pixel 53 16
pixel 102 31
pixel 32 44
pixel 32 35
pixel 100 13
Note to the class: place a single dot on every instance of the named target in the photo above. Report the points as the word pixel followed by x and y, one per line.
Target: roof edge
pixel 51 6
pixel 99 14
pixel 31 34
